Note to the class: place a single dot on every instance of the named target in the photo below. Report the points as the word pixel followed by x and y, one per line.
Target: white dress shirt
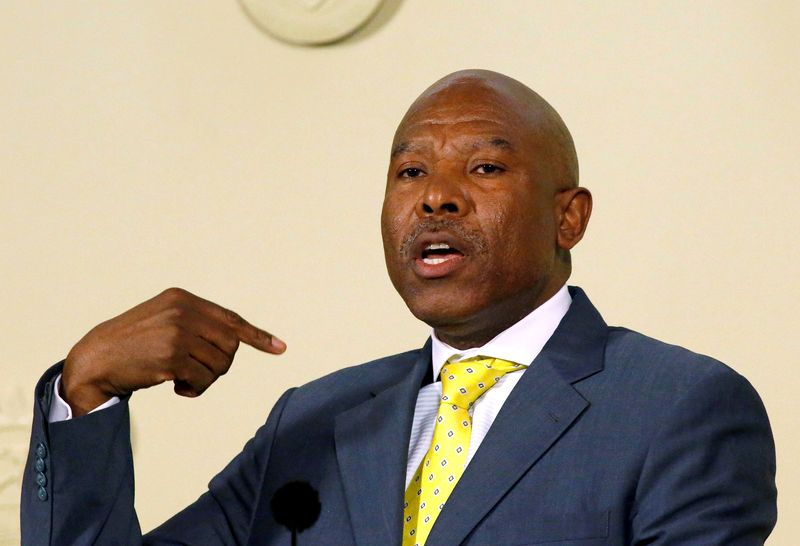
pixel 520 343
pixel 60 410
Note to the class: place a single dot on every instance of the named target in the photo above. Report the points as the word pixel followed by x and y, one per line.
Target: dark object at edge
pixel 296 506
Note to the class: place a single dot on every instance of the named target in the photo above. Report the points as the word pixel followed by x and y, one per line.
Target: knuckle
pixel 233 317
pixel 169 352
pixel 176 312
pixel 172 342
pixel 173 334
pixel 174 293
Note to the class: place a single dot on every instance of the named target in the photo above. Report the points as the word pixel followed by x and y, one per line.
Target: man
pixel 523 420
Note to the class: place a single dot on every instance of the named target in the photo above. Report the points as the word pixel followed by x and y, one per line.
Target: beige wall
pixel 148 144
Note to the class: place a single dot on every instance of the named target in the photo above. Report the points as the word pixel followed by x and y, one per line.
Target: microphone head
pixel 296 506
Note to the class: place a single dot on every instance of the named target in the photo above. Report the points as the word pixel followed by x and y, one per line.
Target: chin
pixel 438 311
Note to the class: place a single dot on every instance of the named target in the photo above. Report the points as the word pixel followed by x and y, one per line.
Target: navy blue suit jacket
pixel 609 438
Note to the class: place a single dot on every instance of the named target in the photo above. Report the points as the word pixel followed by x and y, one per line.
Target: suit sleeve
pixel 709 477
pixel 78 485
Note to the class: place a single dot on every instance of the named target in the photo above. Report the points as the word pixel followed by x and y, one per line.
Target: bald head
pixel 484 90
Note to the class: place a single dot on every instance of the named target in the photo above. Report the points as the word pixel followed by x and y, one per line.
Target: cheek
pixel 518 240
pixel 394 226
pixel 503 228
pixel 391 226
pixel 397 213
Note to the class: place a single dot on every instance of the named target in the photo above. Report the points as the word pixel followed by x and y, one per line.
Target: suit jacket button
pixel 42 494
pixel 40 466
pixel 41 451
pixel 41 479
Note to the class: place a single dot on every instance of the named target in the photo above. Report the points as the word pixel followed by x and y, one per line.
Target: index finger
pixel 246 332
pixel 253 335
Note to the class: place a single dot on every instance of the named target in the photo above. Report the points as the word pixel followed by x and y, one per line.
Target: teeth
pixel 437 246
pixel 434 261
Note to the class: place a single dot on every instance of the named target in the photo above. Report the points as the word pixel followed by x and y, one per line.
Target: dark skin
pixel 175 336
pixel 480 165
pixel 483 164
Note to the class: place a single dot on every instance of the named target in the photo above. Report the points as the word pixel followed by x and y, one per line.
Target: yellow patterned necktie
pixel 462 384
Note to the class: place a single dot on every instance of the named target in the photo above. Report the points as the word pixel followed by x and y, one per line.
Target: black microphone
pixel 296 506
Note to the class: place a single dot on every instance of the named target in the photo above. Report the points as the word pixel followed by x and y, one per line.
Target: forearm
pixel 78 485
pixel 89 489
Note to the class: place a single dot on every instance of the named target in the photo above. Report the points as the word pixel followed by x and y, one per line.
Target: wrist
pixel 82 400
pixel 77 389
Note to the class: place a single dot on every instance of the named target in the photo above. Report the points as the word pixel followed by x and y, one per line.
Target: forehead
pixel 463 111
pixel 465 137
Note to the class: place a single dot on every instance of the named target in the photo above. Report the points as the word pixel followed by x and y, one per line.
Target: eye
pixel 411 172
pixel 488 168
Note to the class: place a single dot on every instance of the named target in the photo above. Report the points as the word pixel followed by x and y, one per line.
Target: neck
pixel 471 339
pixel 479 330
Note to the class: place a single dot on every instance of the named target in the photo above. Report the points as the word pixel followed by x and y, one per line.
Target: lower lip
pixel 434 271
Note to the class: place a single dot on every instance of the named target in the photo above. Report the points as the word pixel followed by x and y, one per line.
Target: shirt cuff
pixel 60 410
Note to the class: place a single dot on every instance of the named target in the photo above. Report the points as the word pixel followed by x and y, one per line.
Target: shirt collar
pixel 520 343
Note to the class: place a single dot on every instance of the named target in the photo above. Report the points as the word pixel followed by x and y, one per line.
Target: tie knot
pixel 465 381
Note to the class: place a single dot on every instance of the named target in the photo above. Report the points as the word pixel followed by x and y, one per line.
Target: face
pixel 469 218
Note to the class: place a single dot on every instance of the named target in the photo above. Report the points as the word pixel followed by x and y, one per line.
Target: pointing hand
pixel 175 336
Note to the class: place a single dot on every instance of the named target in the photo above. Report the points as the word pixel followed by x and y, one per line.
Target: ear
pixel 573 208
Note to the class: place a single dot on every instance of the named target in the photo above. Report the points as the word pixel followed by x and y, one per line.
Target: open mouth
pixel 437 253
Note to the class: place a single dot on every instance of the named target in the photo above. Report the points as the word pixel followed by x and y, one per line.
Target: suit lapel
pixel 372 451
pixel 536 414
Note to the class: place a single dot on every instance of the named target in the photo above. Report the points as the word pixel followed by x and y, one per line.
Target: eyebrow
pixel 499 142
pixel 495 142
pixel 405 147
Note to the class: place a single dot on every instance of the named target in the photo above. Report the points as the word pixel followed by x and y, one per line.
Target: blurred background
pixel 152 144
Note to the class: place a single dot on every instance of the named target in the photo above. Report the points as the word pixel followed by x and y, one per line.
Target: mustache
pixel 474 238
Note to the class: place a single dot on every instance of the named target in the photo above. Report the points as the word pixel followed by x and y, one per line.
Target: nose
pixel 442 196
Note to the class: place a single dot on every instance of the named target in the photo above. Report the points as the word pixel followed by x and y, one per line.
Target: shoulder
pixel 662 380
pixel 660 364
